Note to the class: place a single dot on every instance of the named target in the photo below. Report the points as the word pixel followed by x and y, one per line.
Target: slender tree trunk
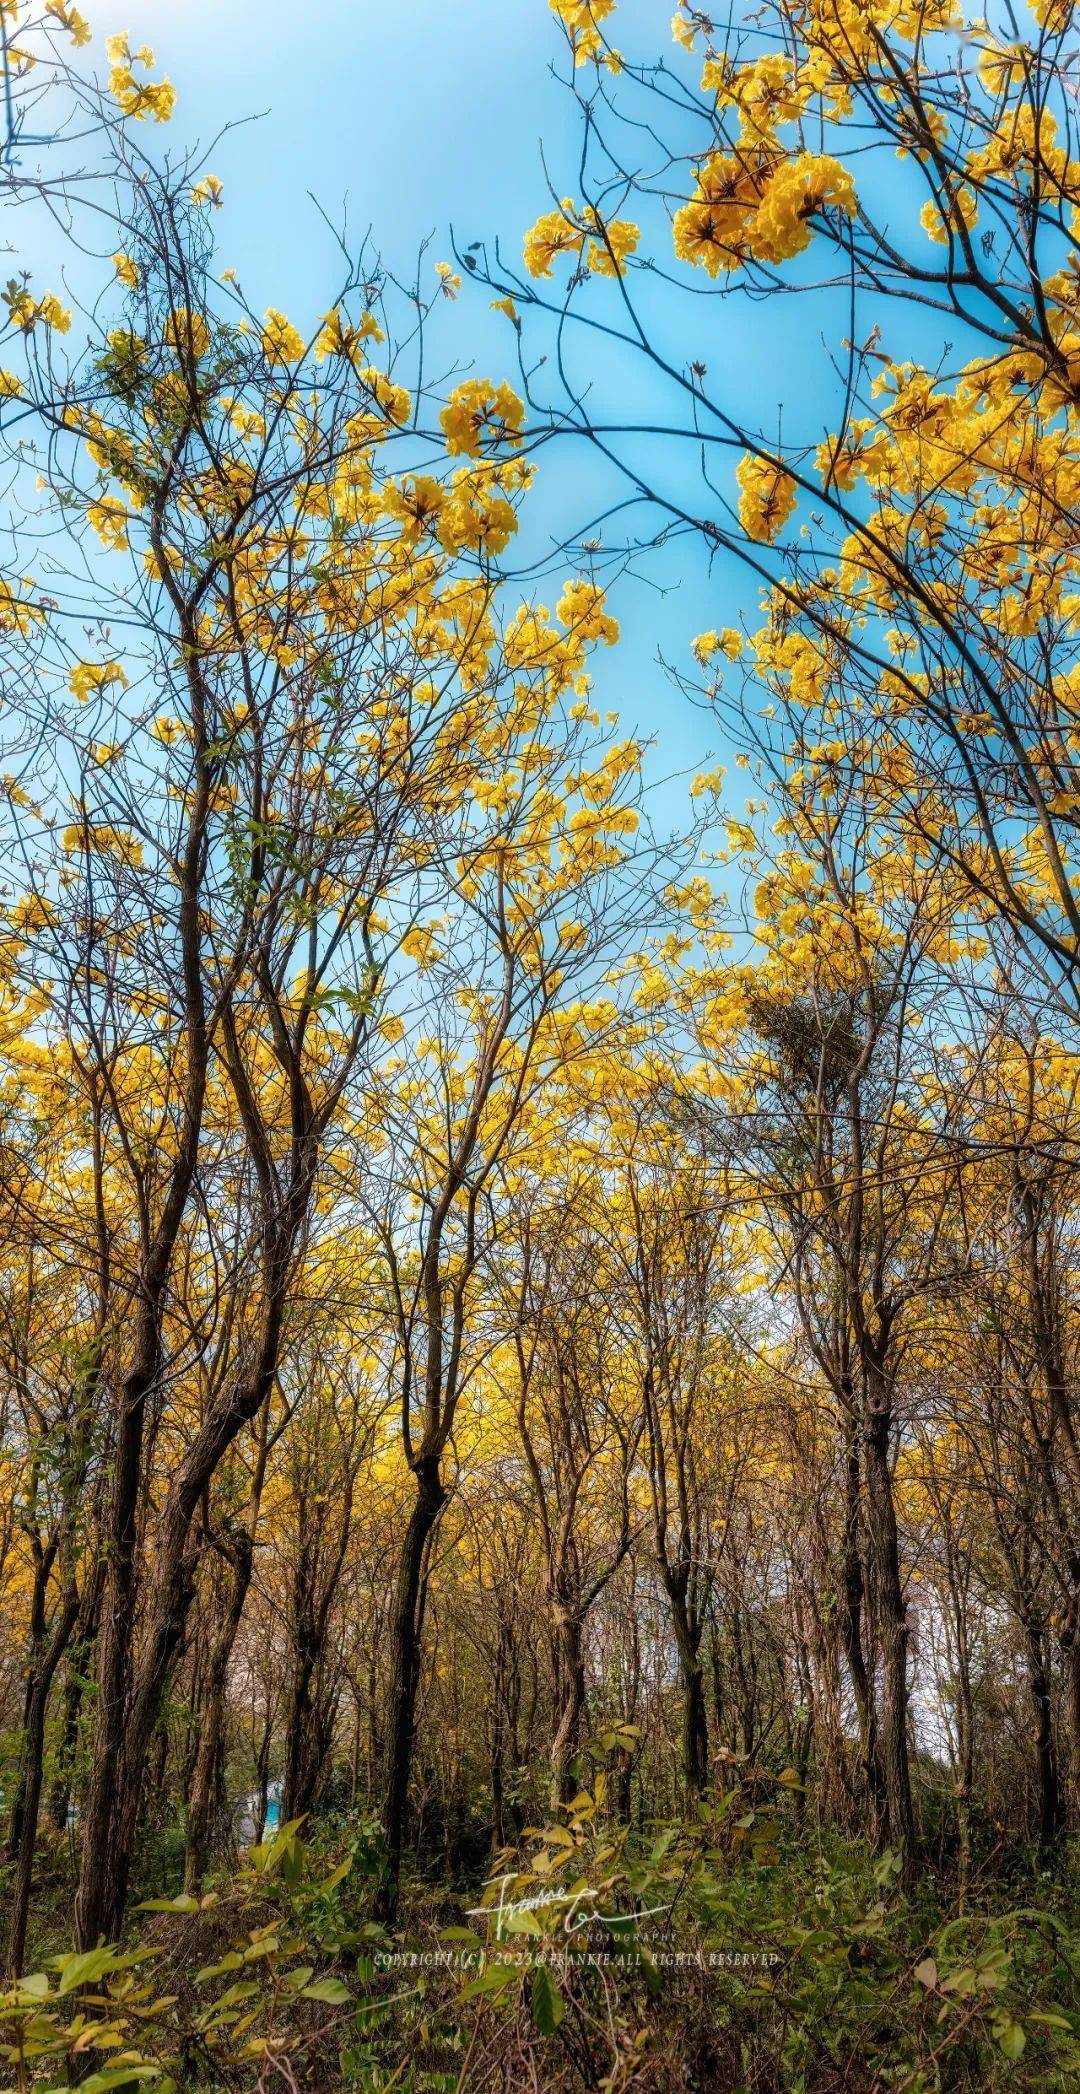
pixel 301 1751
pixel 965 1723
pixel 890 1622
pixel 1071 1656
pixel 262 1774
pixel 497 1749
pixel 99 1900
pixel 79 1659
pixel 212 1731
pixel 404 1675
pixel 570 1702
pixel 1046 1770
pixel 695 1731
pixel 965 1767
pixel 130 1699
pixel 851 1629
pixel 34 1746
pixel 33 1773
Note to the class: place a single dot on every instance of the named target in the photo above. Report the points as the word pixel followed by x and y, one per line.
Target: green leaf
pixel 294 1979
pixel 84 1969
pixel 230 1961
pixel 547 2000
pixel 1011 2039
pixel 117 2076
pixel 35 1983
pixel 330 1990
pixel 496 1978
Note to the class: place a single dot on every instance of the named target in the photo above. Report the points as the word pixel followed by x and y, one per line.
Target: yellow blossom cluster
pixel 766 498
pixel 480 418
pixel 754 205
pixel 135 97
pixel 601 245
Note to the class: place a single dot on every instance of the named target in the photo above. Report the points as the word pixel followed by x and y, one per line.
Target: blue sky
pixel 413 116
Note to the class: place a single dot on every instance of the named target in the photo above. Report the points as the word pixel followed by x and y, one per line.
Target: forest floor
pixel 742 1952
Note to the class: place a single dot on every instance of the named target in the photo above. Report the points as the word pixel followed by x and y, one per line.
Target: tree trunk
pixel 212 1731
pixel 890 1622
pixel 79 1658
pixel 569 1702
pixel 303 1757
pixel 1071 1655
pixel 851 1630
pixel 262 1775
pixel 404 1675
pixel 99 1900
pixel 1046 1771
pixel 695 1732
pixel 33 1771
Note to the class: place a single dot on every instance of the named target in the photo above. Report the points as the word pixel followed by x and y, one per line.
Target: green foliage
pixel 797 1962
pixel 113 2008
pixel 738 1951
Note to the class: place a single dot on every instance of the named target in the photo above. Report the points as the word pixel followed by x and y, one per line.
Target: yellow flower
pixel 281 342
pixel 767 499
pixel 114 843
pixel 554 234
pixel 414 502
pixel 340 336
pixel 581 608
pixel 419 944
pixel 28 312
pixel 137 98
pixel 187 333
pixel 208 192
pixel 617 240
pixel 127 269
pixel 711 229
pixel 567 231
pixel 799 189
pixel 69 18
pixel 449 284
pixel 392 400
pixel 964 204
pixel 92 679
pixel 582 19
pixel 109 519
pixel 477 518
pixel 480 416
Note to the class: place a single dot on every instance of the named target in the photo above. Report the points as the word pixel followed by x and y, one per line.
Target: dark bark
pixel 1047 1783
pixel 404 1675
pixel 891 1629
pixel 32 1776
pixel 206 1773
pixel 694 1730
pixel 851 1626
pixel 569 1682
